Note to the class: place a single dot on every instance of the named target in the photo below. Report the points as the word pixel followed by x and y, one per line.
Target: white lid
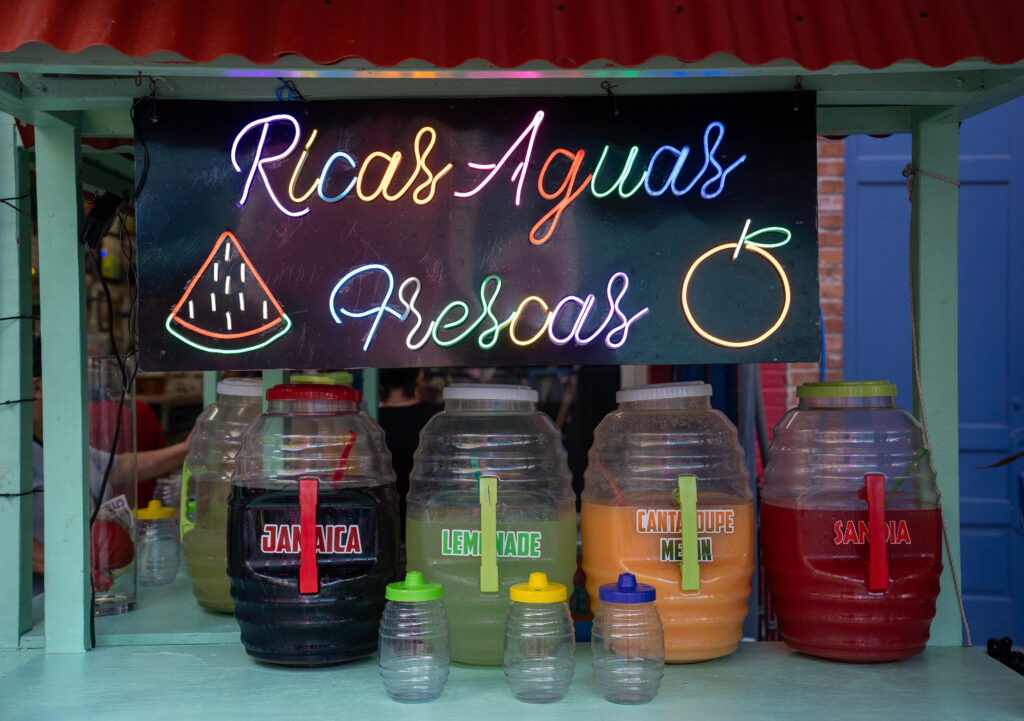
pixel 489 392
pixel 249 387
pixel 661 391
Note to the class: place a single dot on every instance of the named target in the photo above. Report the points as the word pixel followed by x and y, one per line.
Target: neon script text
pixel 387 175
pixel 533 319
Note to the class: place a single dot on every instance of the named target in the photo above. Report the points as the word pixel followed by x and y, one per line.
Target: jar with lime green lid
pixel 851 525
pixel 414 640
pixel 540 645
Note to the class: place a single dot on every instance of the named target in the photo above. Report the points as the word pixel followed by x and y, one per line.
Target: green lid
pixel 846 389
pixel 413 588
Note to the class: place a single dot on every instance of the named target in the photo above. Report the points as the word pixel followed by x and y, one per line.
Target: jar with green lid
pixel 851 525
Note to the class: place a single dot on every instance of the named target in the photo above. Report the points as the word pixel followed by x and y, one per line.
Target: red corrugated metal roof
pixel 509 33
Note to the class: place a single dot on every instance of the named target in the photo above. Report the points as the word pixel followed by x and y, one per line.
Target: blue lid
pixel 627 590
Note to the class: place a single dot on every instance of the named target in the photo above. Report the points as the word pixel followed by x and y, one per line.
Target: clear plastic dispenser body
pixel 667 498
pixel 312 528
pixel 490 501
pixel 851 525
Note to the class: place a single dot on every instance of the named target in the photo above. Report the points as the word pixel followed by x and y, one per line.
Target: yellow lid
pixel 538 590
pixel 155 510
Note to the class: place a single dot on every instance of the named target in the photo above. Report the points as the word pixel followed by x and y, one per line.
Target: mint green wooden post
pixel 62 326
pixel 210 379
pixel 15 383
pixel 371 386
pixel 936 150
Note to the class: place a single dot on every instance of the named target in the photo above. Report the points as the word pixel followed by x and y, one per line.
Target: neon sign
pixel 455 314
pixel 425 191
pixel 434 232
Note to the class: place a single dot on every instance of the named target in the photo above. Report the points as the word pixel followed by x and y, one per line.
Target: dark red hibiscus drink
pixel 312 528
pixel 851 525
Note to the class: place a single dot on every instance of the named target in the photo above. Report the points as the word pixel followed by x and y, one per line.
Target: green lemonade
pixel 448 552
pixel 206 546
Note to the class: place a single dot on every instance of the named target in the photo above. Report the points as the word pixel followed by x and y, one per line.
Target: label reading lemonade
pixel 667 520
pixel 511 544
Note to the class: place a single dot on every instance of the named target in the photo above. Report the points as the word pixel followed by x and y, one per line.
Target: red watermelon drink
pixel 818 561
pixel 850 525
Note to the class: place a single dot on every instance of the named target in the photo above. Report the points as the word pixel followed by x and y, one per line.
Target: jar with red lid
pixel 312 528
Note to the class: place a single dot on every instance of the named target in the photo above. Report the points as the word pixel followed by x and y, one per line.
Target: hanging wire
pixel 908 172
pixel 12 206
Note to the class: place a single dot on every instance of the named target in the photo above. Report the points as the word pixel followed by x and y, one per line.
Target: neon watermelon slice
pixel 227 308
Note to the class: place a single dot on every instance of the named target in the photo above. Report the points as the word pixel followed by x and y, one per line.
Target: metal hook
pixel 608 87
pixel 796 92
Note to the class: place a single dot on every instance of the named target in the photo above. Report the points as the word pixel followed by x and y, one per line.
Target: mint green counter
pixel 170 660
pixel 760 681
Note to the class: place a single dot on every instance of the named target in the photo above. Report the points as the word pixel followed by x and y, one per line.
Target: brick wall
pixel 830 268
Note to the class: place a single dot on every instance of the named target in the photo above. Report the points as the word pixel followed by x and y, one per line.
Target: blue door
pixel 876 338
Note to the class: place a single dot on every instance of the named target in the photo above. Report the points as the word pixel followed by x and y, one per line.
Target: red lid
pixel 313 392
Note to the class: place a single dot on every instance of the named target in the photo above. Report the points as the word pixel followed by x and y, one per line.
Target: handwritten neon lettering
pixel 623 327
pixel 259 161
pixel 619 183
pixel 377 175
pixel 486 305
pixel 298 169
pixel 681 155
pixel 566 187
pixel 588 305
pixel 394 161
pixel 376 311
pixel 326 171
pixel 519 174
pixel 709 159
pixel 410 307
pixel 554 319
pixel 456 314
pixel 430 183
pixel 518 314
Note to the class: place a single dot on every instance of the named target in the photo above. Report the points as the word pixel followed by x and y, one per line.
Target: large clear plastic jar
pixel 664 466
pixel 312 528
pixel 211 461
pixel 414 640
pixel 851 525
pixel 540 643
pixel 490 500
pixel 627 641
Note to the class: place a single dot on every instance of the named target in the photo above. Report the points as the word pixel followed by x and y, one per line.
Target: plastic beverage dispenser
pixel 666 498
pixel 490 501
pixel 312 528
pixel 851 525
pixel 211 461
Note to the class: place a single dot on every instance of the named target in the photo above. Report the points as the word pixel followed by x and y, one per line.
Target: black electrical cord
pixel 9 204
pixel 126 381
pixel 126 384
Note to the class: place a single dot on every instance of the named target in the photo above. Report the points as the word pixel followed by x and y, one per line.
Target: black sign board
pixel 490 231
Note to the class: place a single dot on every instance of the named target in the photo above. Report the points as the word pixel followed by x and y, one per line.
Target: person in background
pixel 402 414
pixel 150 465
